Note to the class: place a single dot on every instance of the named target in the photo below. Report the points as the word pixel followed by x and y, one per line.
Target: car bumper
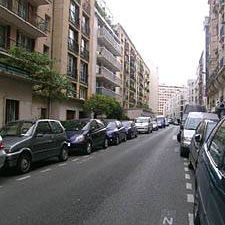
pixel 11 160
pixel 142 129
pixel 73 147
pixel 2 158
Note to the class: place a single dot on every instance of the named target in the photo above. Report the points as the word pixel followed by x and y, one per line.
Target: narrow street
pixel 143 181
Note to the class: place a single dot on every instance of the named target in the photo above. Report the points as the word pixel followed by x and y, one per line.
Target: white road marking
pixel 185 163
pixel 75 160
pixel 187 176
pixel 63 164
pixel 176 149
pixel 167 217
pixel 23 178
pixel 167 220
pixel 190 198
pixel 188 186
pixel 174 137
pixel 191 218
pixel 46 170
pixel 185 160
pixel 186 169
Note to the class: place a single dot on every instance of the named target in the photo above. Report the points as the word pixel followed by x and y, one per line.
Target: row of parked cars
pixel 25 142
pixel 202 140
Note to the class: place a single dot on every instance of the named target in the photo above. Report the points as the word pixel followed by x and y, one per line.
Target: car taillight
pixel 1 146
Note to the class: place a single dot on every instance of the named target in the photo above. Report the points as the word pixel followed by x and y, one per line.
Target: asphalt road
pixel 141 182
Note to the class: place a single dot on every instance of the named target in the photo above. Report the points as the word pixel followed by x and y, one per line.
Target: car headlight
pixel 79 138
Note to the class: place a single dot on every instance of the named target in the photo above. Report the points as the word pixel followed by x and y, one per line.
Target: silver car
pixel 2 154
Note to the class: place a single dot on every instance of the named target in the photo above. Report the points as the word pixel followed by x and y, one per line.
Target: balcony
pixel 107 39
pixel 39 2
pixel 85 29
pixel 107 92
pixel 84 53
pixel 108 59
pixel 73 46
pixel 72 74
pixel 73 18
pixel 109 77
pixel 86 6
pixel 13 15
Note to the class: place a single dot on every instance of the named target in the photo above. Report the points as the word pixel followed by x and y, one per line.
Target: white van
pixel 144 124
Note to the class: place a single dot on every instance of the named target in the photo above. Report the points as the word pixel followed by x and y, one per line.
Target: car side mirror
pixel 198 138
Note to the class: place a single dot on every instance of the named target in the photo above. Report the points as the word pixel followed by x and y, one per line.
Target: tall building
pixel 27 24
pixel 191 91
pixel 106 57
pixel 166 92
pixel 135 74
pixel 216 69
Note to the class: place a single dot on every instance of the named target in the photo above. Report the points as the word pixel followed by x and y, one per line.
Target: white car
pixel 2 153
pixel 144 124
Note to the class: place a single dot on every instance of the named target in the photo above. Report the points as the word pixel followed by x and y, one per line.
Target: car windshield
pixel 17 129
pixel 126 123
pixel 76 125
pixel 161 119
pixel 142 120
pixel 192 123
pixel 210 127
pixel 111 125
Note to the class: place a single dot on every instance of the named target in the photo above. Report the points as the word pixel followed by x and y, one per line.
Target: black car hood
pixel 9 141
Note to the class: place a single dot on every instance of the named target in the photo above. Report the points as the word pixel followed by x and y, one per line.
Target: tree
pixel 47 82
pixel 104 105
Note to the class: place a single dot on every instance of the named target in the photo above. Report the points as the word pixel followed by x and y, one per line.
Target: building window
pixel 43 113
pixel 25 42
pixel 46 49
pixel 3 36
pixel 85 25
pixel 84 49
pixel 74 14
pixel 73 41
pixel 23 9
pixel 11 110
pixel 70 115
pixel 47 22
pixel 83 72
pixel 83 93
pixel 72 66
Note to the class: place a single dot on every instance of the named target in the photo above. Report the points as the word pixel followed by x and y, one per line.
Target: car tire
pixel 64 154
pixel 88 148
pixel 105 144
pixel 125 138
pixel 196 210
pixel 117 140
pixel 24 163
pixel 190 166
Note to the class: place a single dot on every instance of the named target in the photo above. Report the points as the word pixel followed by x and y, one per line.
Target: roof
pixel 209 116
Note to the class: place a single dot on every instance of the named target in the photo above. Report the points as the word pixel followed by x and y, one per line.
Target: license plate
pixel 68 144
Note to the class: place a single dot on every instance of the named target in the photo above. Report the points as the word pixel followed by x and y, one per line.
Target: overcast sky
pixel 168 33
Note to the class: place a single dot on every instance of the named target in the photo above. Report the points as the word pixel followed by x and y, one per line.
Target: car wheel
pixel 106 143
pixel 64 154
pixel 125 138
pixel 190 166
pixel 24 163
pixel 88 148
pixel 196 210
pixel 117 141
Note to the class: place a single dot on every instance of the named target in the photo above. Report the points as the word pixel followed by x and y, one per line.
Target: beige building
pixel 216 69
pixel 135 74
pixel 62 30
pixel 166 92
pixel 26 24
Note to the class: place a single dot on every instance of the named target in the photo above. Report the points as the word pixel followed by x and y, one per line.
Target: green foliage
pixel 47 82
pixel 100 104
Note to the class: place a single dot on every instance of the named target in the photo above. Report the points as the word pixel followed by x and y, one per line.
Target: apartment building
pixel 216 72
pixel 191 91
pixel 166 92
pixel 106 57
pixel 135 74
pixel 26 24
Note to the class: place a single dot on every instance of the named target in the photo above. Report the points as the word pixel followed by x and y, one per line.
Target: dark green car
pixel 28 141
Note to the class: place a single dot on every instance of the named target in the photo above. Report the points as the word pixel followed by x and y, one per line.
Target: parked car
pixel 161 121
pixel 116 132
pixel 188 130
pixel 144 125
pixel 85 135
pixel 209 202
pixel 201 135
pixel 28 141
pixel 131 129
pixel 154 125
pixel 166 122
pixel 2 154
